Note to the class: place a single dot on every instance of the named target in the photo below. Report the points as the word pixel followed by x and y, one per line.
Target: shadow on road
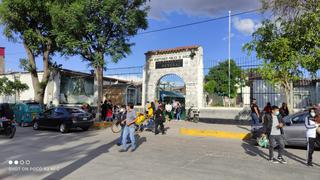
pixel 79 163
pixel 253 150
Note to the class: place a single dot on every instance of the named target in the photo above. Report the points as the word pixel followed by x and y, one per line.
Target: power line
pixel 198 22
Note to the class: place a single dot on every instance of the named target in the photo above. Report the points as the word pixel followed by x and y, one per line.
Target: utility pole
pixel 229 54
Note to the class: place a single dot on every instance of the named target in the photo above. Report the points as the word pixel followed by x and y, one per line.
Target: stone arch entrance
pixel 186 62
pixel 171 87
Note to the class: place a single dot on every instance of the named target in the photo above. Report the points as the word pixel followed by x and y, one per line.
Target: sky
pixel 212 36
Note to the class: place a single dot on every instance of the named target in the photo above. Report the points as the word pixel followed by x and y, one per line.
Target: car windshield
pixel 74 110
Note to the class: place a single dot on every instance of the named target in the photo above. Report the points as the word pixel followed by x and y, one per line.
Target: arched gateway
pixel 186 62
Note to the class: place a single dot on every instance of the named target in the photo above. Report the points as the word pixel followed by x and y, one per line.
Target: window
pixel 298 119
pixel 48 112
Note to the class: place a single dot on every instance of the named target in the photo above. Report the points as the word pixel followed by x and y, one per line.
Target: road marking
pixel 214 133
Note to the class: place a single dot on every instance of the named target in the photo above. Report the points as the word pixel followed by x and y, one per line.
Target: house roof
pixel 171 50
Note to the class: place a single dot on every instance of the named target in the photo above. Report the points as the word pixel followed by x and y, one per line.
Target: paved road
pixel 94 155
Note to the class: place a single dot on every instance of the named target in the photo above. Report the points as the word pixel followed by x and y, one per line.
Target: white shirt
pixel 168 107
pixel 274 130
pixel 311 128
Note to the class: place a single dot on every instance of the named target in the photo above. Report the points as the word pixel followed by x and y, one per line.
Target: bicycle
pixel 142 122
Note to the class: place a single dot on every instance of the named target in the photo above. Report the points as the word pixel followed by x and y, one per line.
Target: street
pixel 94 155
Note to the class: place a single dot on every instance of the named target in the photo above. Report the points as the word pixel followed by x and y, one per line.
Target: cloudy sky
pixel 212 36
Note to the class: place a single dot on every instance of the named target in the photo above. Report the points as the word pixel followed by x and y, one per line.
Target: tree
pixel 98 29
pixel 287 47
pixel 30 22
pixel 217 80
pixel 288 9
pixel 8 87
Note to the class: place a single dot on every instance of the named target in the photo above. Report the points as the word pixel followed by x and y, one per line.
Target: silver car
pixel 295 130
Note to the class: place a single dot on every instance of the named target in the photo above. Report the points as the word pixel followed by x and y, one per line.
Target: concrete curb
pixel 214 133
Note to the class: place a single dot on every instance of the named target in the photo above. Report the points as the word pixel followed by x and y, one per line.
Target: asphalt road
pixel 94 155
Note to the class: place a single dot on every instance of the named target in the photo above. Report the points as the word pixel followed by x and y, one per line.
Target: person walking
pixel 179 111
pixel 273 124
pixel 168 110
pixel 311 133
pixel 129 129
pixel 122 116
pixel 104 110
pixel 255 113
pixel 159 120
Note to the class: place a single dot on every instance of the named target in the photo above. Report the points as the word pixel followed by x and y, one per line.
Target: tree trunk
pixel 39 87
pixel 288 91
pixel 99 90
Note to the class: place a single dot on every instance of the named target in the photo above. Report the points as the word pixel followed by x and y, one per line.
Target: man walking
pixel 273 124
pixel 129 129
pixel 311 133
pixel 159 120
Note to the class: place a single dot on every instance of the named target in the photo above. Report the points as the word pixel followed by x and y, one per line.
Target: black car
pixel 63 118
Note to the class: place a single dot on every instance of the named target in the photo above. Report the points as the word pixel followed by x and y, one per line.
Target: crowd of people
pixel 157 112
pixel 271 119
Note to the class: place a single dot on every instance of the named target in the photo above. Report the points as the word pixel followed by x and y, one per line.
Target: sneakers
pixel 281 160
pixel 122 150
pixel 309 164
pixel 273 160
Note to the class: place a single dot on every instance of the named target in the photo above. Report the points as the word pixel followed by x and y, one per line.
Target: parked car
pixel 295 130
pixel 26 112
pixel 63 118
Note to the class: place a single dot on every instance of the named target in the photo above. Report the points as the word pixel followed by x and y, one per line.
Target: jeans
pixel 310 147
pixel 255 119
pixel 273 140
pixel 129 131
pixel 178 115
pixel 121 136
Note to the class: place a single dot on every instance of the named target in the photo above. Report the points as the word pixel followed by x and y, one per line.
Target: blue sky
pixel 211 36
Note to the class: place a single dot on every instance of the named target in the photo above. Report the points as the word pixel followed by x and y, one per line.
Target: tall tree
pixel 288 45
pixel 29 21
pixel 98 29
pixel 217 80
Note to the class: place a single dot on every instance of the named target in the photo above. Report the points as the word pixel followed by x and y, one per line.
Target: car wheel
pixel 36 126
pixel 85 128
pixel 63 128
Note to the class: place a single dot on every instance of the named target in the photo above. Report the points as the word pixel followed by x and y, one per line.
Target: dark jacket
pixel 159 115
pixel 267 123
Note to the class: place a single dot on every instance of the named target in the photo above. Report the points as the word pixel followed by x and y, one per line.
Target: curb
pixel 214 133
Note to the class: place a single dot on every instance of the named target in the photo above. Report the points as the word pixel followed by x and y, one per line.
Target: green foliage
pixel 8 87
pixel 287 46
pixel 95 29
pixel 30 21
pixel 217 80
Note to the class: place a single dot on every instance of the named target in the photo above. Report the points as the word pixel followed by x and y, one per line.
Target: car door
pixel 58 117
pixel 296 133
pixel 44 118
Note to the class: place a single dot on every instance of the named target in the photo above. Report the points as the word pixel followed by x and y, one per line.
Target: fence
pixel 248 85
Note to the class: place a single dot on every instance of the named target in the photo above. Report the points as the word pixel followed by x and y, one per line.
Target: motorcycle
pixel 193 114
pixel 7 127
